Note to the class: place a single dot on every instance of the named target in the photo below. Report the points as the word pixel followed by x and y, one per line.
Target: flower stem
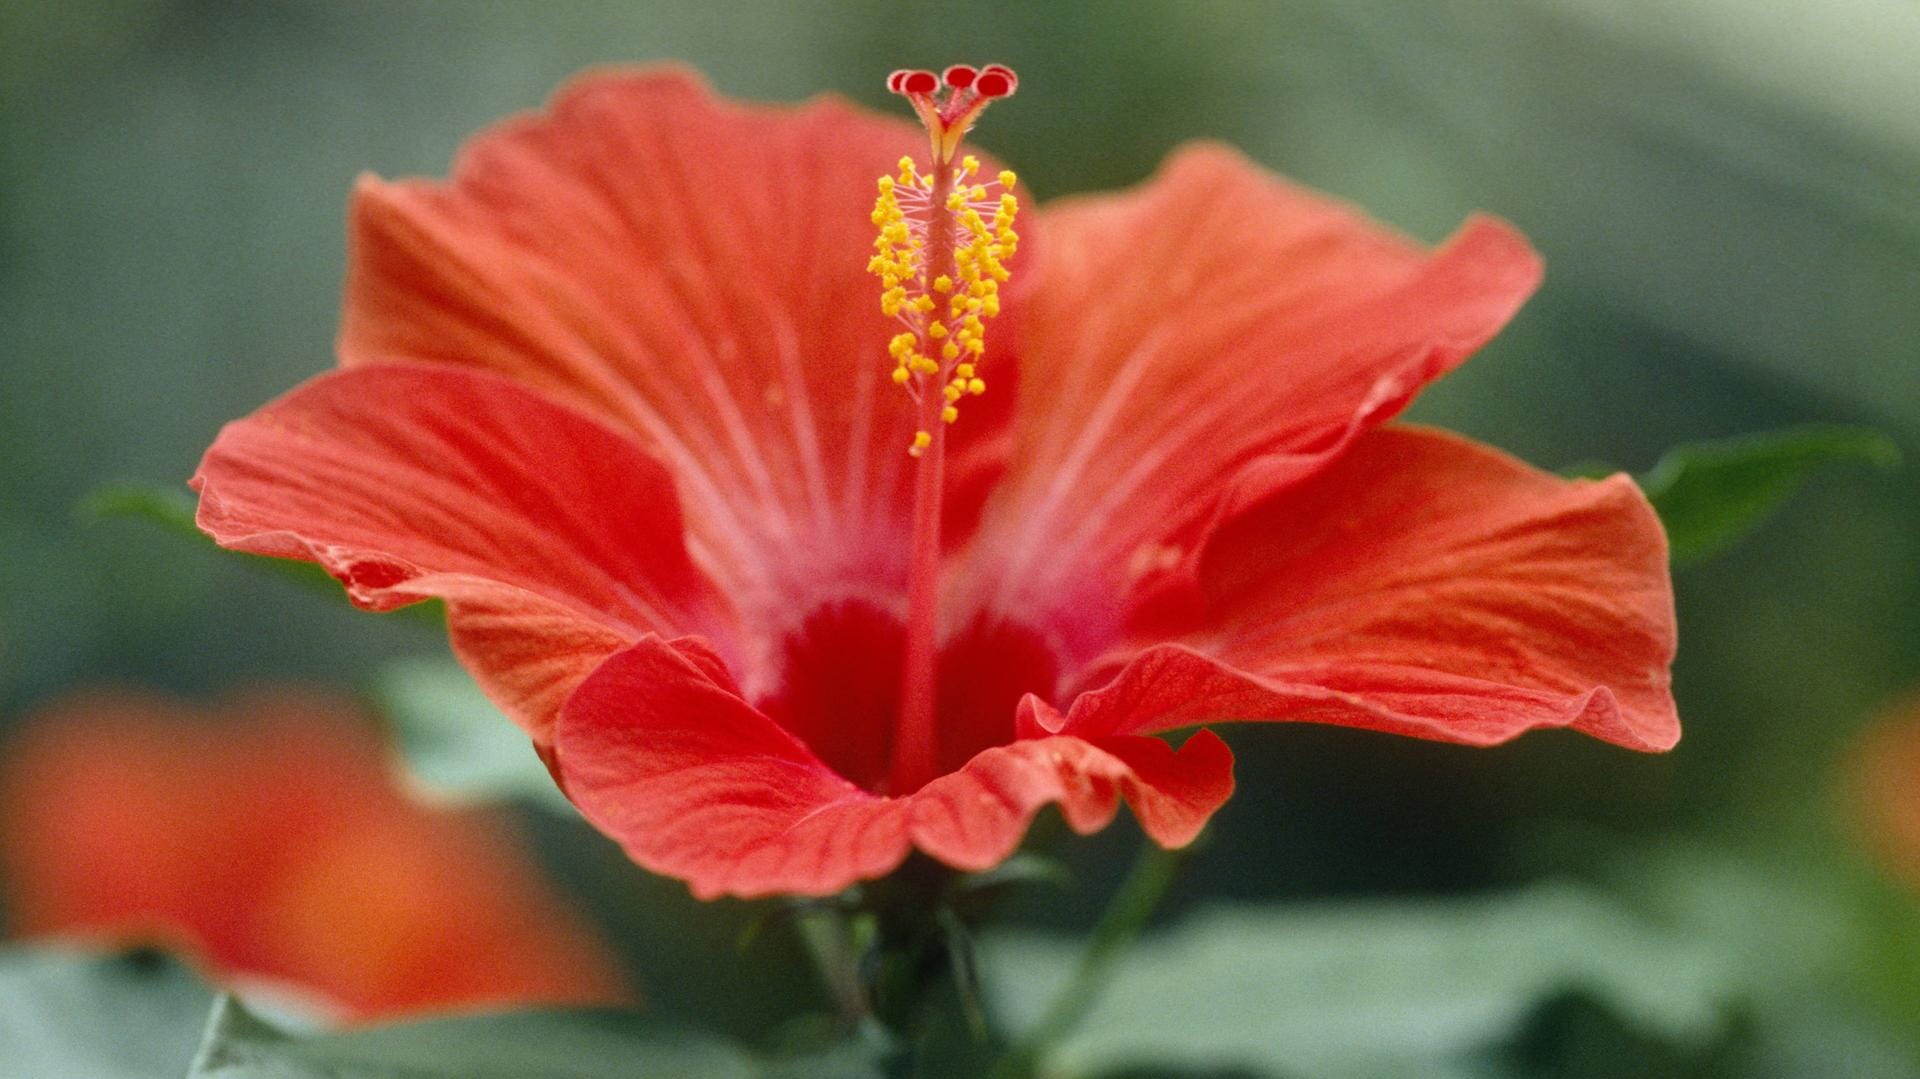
pixel 830 941
pixel 915 747
pixel 1126 915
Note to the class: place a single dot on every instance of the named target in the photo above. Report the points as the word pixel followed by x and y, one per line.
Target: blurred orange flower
pixel 1883 780
pixel 269 839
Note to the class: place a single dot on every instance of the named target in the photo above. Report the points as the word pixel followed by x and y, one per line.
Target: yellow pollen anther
pixel 943 237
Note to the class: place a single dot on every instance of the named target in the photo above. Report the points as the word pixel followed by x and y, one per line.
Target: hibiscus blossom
pixel 269 839
pixel 781 592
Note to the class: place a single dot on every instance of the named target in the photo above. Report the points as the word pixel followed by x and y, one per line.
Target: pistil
pixel 940 265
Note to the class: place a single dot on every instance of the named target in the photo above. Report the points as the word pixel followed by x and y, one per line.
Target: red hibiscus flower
pixel 706 527
pixel 270 840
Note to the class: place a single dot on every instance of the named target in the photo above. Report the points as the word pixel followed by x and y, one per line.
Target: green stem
pixel 829 937
pixel 1126 915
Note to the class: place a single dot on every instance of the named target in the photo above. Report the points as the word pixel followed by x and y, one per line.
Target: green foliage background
pixel 1727 194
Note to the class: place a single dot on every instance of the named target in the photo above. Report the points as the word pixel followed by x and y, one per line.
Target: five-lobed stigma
pixel 945 238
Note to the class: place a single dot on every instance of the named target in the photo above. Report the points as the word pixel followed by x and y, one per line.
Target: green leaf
pixel 169 507
pixel 554 1044
pixel 172 509
pixel 1376 989
pixel 135 1015
pixel 455 741
pixel 1712 493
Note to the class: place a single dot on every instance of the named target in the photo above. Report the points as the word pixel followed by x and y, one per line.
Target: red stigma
pixel 965 84
pixel 950 114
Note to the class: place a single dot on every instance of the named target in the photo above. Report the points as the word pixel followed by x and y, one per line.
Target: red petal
pixel 1203 341
pixel 974 818
pixel 697 784
pixel 553 540
pixel 693 272
pixel 694 783
pixel 1428 586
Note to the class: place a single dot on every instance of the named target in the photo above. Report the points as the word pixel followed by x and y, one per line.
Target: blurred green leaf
pixel 455 741
pixel 1574 1036
pixel 1376 989
pixel 135 1015
pixel 1712 493
pixel 1024 867
pixel 584 1044
pixel 172 509
pixel 169 507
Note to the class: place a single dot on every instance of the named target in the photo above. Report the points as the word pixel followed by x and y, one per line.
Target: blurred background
pixel 1727 193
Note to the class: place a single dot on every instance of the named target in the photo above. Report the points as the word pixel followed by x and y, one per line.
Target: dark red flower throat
pixel 842 686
